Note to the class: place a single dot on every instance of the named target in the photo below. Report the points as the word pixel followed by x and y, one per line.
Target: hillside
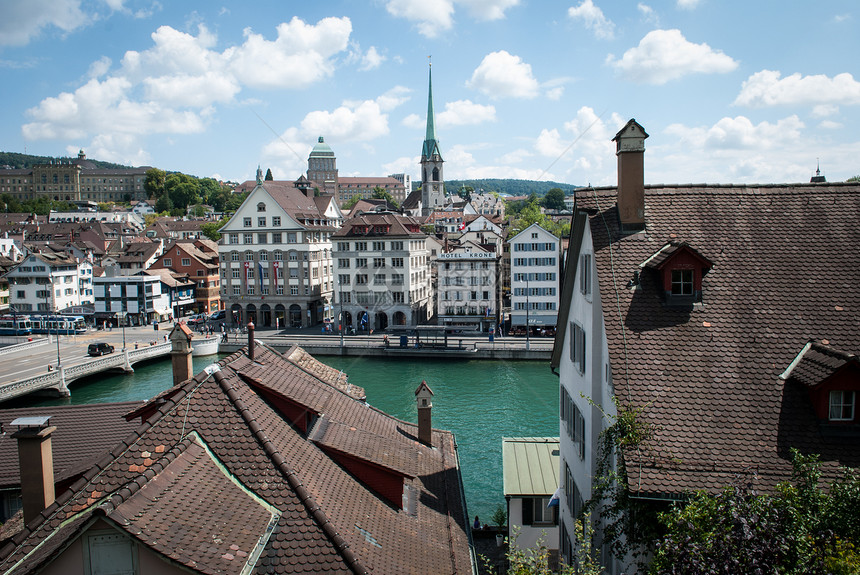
pixel 509 186
pixel 24 161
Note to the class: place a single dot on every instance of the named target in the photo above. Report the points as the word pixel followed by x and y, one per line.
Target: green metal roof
pixel 431 144
pixel 530 465
pixel 322 149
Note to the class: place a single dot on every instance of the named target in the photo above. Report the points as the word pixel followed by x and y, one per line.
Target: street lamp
pixel 122 317
pixel 48 318
pixel 528 326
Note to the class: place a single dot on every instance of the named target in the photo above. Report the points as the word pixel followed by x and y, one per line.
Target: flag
pixel 554 500
pixel 260 265
pixel 462 226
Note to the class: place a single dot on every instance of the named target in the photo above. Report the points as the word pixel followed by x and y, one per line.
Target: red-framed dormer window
pixel 680 269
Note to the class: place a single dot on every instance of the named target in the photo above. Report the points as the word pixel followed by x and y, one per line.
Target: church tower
pixel 432 180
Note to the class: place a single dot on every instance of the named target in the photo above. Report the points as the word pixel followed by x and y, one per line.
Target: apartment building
pixel 535 263
pixel 50 282
pixel 467 288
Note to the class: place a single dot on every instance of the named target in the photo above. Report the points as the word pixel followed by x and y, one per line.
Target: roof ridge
pixel 316 512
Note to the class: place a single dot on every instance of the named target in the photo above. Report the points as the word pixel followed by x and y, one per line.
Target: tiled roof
pixel 218 438
pixel 84 434
pixel 396 222
pixel 785 271
pixel 816 362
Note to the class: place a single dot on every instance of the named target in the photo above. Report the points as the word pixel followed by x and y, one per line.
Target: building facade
pixel 467 288
pixel 78 180
pixel 275 257
pixel 535 263
pixel 199 260
pixel 139 299
pixel 382 271
pixel 50 282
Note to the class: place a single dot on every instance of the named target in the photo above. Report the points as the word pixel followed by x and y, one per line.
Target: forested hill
pixel 24 161
pixel 510 187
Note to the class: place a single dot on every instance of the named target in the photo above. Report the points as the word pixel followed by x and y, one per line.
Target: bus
pixel 15 325
pixel 58 324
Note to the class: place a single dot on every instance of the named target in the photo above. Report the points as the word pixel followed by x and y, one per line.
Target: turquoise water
pixel 480 401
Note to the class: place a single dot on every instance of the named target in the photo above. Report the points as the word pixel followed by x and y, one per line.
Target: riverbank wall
pixel 376 350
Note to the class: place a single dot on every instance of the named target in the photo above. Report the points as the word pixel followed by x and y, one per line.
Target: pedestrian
pixel 476 524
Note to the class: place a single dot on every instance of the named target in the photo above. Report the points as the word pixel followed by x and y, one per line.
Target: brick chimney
pixel 251 349
pixel 180 354
pixel 36 462
pixel 630 150
pixel 424 400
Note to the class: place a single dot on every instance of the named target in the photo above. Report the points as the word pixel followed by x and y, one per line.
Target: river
pixel 481 401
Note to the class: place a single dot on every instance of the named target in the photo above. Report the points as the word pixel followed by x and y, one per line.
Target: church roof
pixel 322 149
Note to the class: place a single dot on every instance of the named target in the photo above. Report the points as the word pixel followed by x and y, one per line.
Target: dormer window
pixel 842 405
pixel 680 269
pixel 261 207
pixel 682 282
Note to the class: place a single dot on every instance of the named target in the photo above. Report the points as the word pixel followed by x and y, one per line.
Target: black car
pixel 216 315
pixel 97 349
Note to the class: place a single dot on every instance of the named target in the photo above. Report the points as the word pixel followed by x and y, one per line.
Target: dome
pixel 322 150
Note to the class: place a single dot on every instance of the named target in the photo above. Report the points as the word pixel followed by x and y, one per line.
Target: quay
pixel 31 366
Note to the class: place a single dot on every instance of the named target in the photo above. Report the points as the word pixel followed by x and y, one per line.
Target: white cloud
pixel 414 121
pixel 355 120
pixel 824 110
pixel 465 112
pixel 555 93
pixel 371 59
pixel 664 55
pixel 550 144
pixel 593 18
pixel 503 75
pixel 829 125
pixel 22 20
pixel 300 56
pixel 431 16
pixel 402 165
pixel 688 4
pixel 99 68
pixel 648 13
pixel 515 156
pixel 488 9
pixel 766 88
pixel 393 98
pixel 740 133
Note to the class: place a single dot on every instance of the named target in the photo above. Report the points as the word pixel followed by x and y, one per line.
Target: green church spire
pixel 431 145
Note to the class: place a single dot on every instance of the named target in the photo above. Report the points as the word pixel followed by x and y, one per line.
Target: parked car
pixel 221 314
pixel 101 348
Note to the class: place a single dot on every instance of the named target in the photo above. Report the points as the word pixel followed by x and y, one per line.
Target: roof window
pixel 681 269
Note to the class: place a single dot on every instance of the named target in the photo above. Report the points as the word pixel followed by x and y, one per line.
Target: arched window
pixel 261 207
pixel 249 256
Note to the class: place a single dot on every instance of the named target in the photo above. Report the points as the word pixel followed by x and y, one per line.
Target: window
pixel 246 222
pixel 294 290
pixel 379 262
pixel 398 296
pixel 396 245
pixel 236 274
pixel 571 492
pixel 682 282
pixel 276 237
pixel 279 290
pixel 279 255
pixel 360 263
pixel 577 346
pixel 234 238
pixel 167 262
pixel 248 238
pixel 841 406
pixel 261 207
pixel 397 262
pixel 397 279
pixel 264 256
pixel 585 274
pixel 378 246
pixel 361 279
pixel 236 290
pixel 261 239
pixel 261 222
pixel 249 256
pixel 343 263
pixel 536 512
pixel 234 256
pixel 294 257
pixel 292 238
pixel 361 246
pixel 276 221
pixel 343 279
pixel 186 262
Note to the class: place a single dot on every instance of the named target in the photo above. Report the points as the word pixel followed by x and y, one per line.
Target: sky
pixel 736 92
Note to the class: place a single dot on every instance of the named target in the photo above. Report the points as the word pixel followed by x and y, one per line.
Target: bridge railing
pixel 24 346
pixel 53 379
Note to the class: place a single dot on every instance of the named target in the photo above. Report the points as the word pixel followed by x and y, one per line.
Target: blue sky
pixel 729 91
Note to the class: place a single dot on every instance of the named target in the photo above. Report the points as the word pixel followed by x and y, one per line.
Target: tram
pixel 58 324
pixel 15 325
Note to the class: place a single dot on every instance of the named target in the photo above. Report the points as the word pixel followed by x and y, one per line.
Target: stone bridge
pixel 59 379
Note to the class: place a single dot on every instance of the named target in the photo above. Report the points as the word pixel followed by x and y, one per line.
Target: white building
pixel 275 257
pixel 50 282
pixel 535 265
pixel 467 288
pixel 530 470
pixel 382 266
pixel 139 298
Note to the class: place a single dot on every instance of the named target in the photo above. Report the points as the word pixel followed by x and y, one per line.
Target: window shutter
pixel 528 511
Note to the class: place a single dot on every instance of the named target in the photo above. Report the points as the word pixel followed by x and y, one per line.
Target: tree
pixel 163 203
pixel 210 229
pixel 154 183
pixel 853 179
pixel 383 194
pixel 184 190
pixel 350 203
pixel 801 528
pixel 554 199
pixel 269 176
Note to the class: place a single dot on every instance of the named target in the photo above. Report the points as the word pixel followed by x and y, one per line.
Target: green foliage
pixel 105 206
pixel 383 194
pixel 801 528
pixel 528 212
pixel 26 161
pixel 350 203
pixel 507 186
pixel 853 179
pixel 234 201
pixel 210 229
pixel 269 176
pixel 536 560
pixel 153 183
pixel 163 203
pixel 41 206
pixel 499 516
pixel 554 199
